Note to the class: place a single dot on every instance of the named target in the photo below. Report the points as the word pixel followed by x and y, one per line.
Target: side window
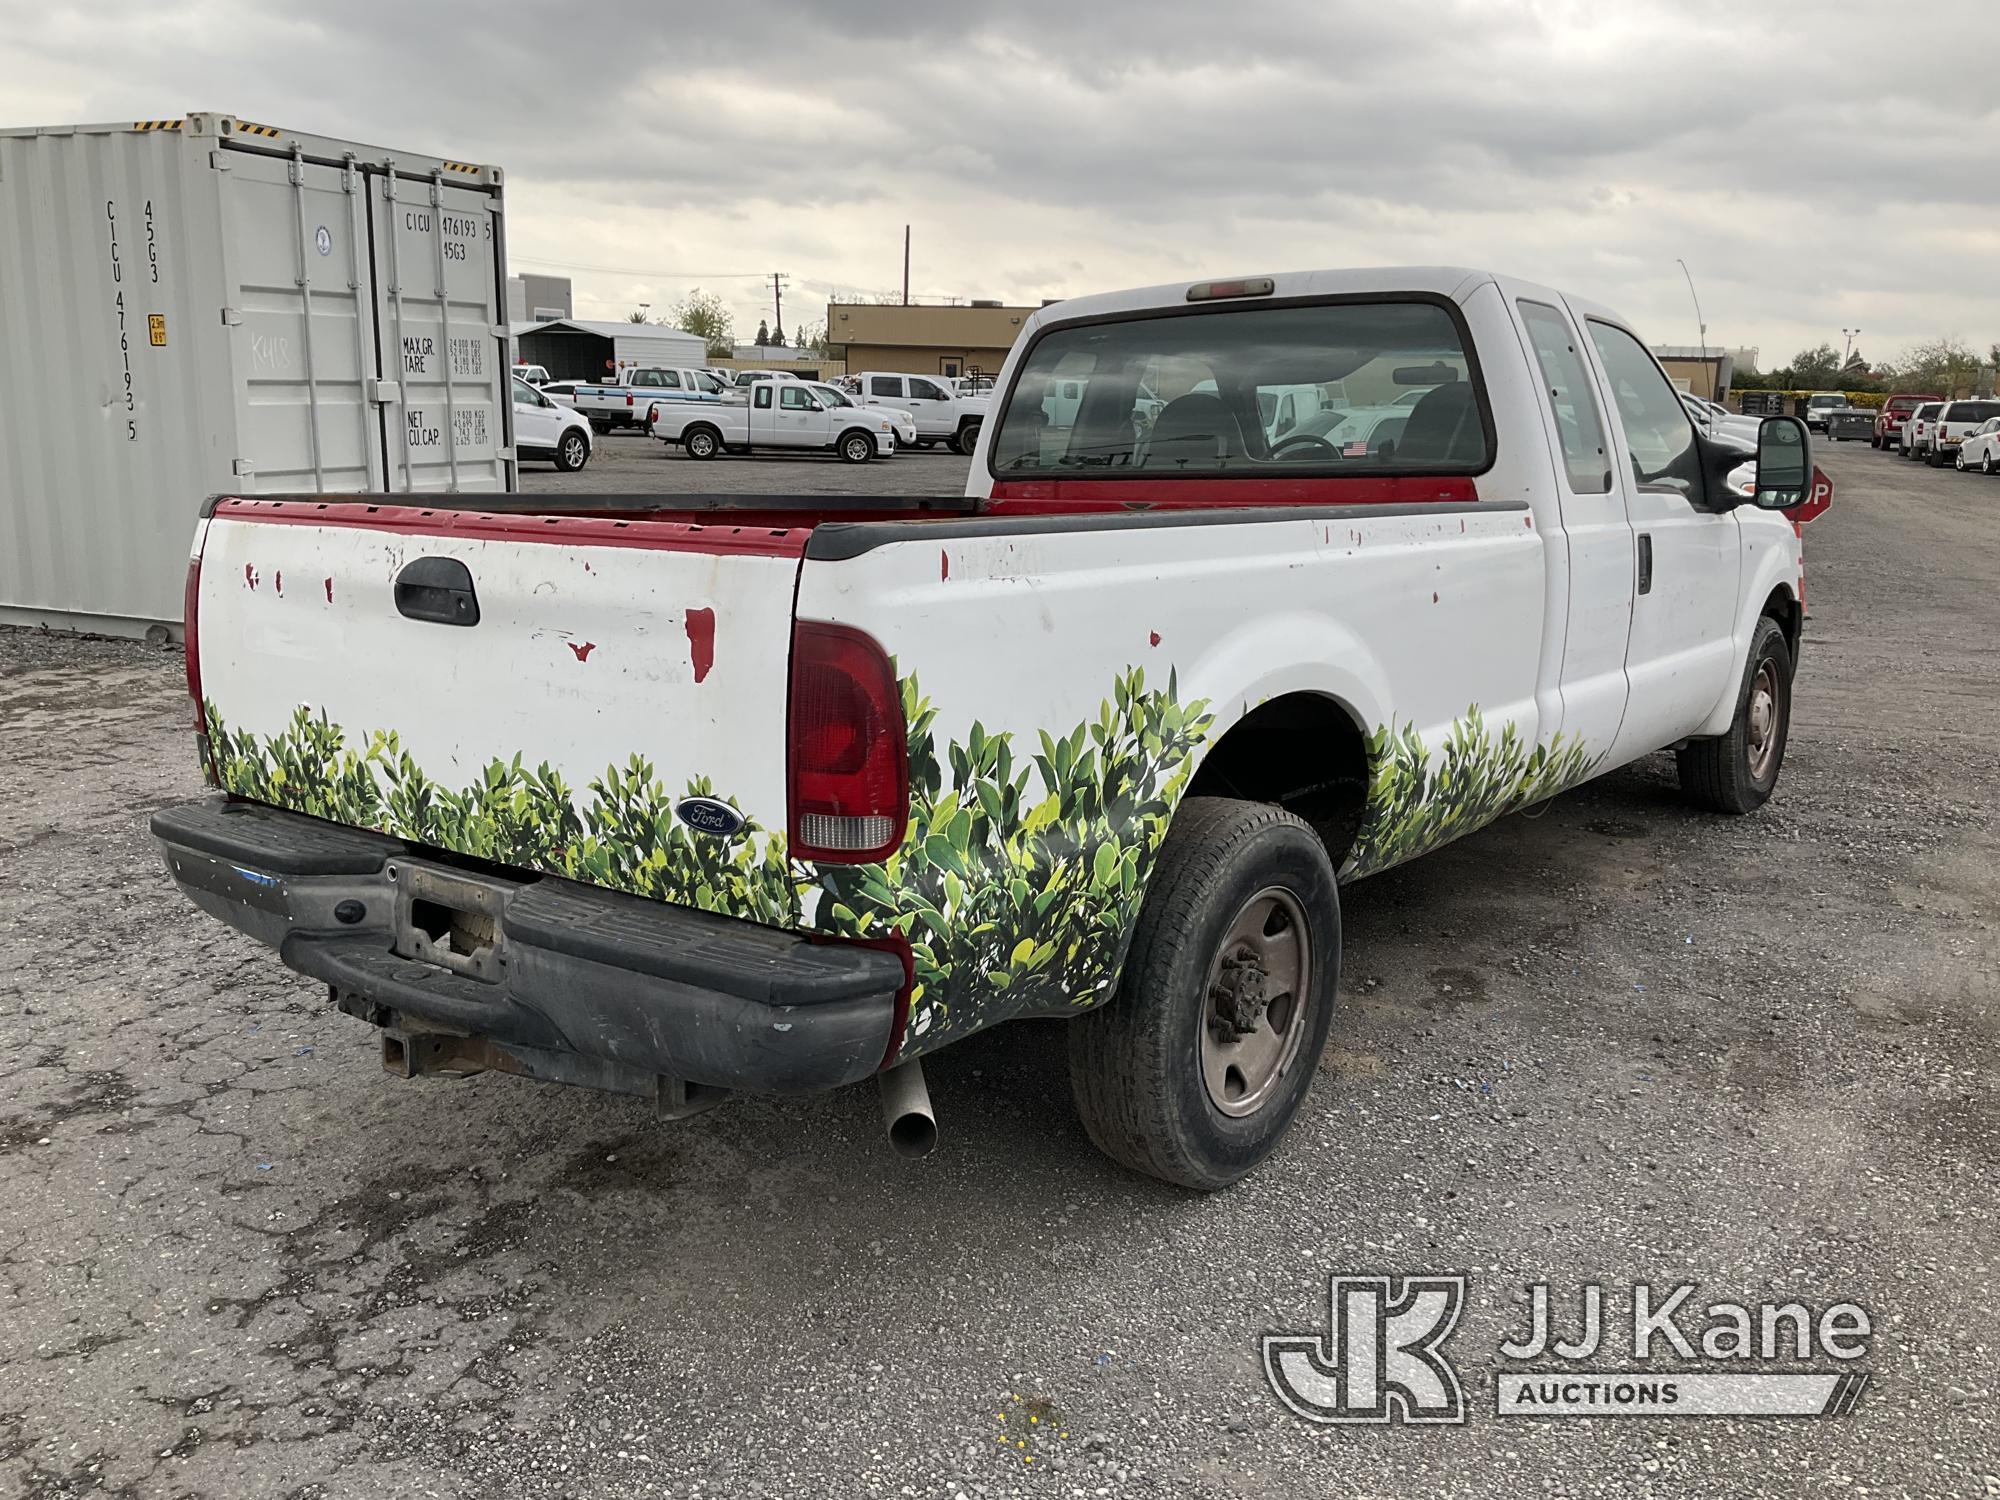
pixel 1578 421
pixel 1656 424
pixel 670 379
pixel 645 377
pixel 923 390
pixel 885 385
pixel 794 398
pixel 761 398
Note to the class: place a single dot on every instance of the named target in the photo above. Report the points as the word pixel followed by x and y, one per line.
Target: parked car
pixel 562 390
pixel 1956 421
pixel 744 379
pixel 1981 449
pixel 942 417
pixel 535 375
pixel 1819 403
pixel 1716 419
pixel 777 414
pixel 895 775
pixel 1894 413
pixel 1915 439
pixel 546 429
pixel 834 396
pixel 630 400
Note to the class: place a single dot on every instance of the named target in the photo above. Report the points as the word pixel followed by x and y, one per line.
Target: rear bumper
pixel 574 984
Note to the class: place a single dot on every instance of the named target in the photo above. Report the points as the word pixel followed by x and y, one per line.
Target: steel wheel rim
pixel 701 444
pixel 1262 977
pixel 857 448
pixel 1764 719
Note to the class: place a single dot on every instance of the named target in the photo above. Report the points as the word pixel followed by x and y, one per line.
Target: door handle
pixel 1645 563
pixel 437 589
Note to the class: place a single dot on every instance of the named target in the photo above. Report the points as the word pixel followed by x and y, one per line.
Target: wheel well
pixel 1783 608
pixel 1303 752
pixel 849 432
pixel 708 427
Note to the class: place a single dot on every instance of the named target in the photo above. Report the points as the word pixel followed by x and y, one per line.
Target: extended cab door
pixel 1681 656
pixel 931 404
pixel 1598 591
pixel 763 415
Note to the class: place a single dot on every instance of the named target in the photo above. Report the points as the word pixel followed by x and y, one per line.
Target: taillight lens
pixel 191 641
pixel 849 752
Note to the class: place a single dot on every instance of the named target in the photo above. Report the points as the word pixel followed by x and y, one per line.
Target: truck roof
pixel 1446 281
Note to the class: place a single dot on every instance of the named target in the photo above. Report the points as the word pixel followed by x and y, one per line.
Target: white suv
pixel 1915 439
pixel 1981 451
pixel 1955 423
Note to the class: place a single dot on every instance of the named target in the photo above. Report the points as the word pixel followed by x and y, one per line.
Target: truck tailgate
pixel 597 698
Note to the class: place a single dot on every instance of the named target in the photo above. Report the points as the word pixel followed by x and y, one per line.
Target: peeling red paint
pixel 1434 597
pixel 250 575
pixel 329 591
pixel 1529 522
pixel 583 651
pixel 1153 636
pixel 278 582
pixel 944 565
pixel 701 640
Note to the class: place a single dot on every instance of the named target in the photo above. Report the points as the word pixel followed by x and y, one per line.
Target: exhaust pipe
pixel 906 1109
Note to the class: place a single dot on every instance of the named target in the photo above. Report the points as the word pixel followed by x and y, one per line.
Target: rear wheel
pixel 965 439
pixel 573 452
pixel 1193 1071
pixel 702 442
pixel 856 447
pixel 1736 772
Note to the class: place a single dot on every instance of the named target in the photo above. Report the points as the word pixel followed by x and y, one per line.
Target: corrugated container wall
pixel 205 305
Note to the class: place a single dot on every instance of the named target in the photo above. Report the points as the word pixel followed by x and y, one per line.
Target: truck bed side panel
pixel 1063 680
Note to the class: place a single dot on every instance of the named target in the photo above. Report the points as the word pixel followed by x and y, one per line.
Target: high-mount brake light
pixel 1243 286
pixel 847 747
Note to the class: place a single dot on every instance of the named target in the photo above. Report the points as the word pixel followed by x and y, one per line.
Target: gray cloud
pixel 1812 176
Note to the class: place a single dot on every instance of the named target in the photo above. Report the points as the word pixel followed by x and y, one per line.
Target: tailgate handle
pixel 438 589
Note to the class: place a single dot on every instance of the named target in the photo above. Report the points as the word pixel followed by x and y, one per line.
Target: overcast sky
pixel 1817 168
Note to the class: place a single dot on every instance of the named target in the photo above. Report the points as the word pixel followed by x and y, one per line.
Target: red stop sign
pixel 1817 499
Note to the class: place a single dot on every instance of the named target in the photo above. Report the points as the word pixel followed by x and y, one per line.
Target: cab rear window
pixel 1353 386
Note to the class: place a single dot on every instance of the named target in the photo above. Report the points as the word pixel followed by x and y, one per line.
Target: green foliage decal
pixel 625 836
pixel 1020 875
pixel 1414 805
pixel 1019 897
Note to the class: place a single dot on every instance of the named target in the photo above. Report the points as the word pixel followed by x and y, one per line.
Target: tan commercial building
pixel 972 339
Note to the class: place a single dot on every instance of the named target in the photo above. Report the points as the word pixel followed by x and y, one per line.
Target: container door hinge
pixel 218 161
pixel 232 317
pixel 382 392
pixel 242 468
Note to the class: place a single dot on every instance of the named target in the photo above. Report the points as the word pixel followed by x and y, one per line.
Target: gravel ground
pixel 1618 1040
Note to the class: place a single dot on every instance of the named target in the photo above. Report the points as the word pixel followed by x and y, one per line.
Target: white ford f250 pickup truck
pixel 631 399
pixel 678 796
pixel 786 413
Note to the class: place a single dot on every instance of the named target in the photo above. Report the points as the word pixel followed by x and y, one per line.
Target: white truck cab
pixel 943 416
pixel 786 414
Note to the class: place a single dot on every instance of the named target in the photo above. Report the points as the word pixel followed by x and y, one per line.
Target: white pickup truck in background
pixel 678 797
pixel 789 414
pixel 630 400
pixel 943 416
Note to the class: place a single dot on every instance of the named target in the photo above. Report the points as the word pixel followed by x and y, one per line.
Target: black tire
pixel 1732 773
pixel 1986 463
pixel 600 428
pixel 855 446
pixel 965 439
pixel 701 441
pixel 572 451
pixel 1135 1063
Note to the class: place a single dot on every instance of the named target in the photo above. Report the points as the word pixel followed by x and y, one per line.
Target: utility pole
pixel 1700 326
pixel 778 305
pixel 1850 334
pixel 906 265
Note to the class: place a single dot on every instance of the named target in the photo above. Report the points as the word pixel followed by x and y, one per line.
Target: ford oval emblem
pixel 706 815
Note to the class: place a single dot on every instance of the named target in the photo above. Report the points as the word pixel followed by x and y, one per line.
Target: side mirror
pixel 1784 465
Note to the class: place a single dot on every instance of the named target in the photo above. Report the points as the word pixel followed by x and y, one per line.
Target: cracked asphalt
pixel 1618 1041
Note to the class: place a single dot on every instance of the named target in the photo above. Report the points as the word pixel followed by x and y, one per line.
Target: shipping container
pixel 207 305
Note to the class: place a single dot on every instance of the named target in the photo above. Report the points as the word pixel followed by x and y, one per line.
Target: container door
pixel 442 332
pixel 295 252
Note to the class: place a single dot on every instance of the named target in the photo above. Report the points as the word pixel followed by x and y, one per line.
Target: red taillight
pixel 849 752
pixel 191 641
